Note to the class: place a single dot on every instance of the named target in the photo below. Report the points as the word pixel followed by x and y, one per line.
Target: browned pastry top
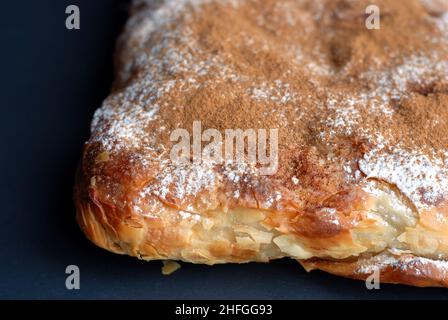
pixel 351 104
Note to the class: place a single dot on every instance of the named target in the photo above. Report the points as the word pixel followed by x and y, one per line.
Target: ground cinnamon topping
pixel 350 103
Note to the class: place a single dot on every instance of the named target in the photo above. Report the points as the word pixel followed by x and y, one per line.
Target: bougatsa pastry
pixel 362 119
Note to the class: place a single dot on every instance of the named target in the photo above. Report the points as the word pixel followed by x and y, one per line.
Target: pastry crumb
pixel 169 267
pixel 102 157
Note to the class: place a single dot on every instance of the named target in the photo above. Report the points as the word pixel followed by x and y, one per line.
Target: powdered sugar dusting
pixel 278 92
pixel 182 181
pixel 386 86
pixel 421 179
pixel 406 264
pixel 126 128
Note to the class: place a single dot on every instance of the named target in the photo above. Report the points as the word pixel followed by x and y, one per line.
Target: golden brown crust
pixel 362 179
pixel 261 235
pixel 403 269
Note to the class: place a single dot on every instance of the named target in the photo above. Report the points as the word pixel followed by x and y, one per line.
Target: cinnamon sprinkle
pixel 350 103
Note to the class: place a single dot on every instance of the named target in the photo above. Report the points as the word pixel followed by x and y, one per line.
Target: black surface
pixel 52 80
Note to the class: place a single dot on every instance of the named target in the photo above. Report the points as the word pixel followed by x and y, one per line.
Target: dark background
pixel 52 80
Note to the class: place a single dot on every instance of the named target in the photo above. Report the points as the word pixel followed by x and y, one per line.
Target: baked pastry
pixel 362 119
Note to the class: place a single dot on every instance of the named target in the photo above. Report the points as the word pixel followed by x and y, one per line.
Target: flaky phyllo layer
pixel 361 183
